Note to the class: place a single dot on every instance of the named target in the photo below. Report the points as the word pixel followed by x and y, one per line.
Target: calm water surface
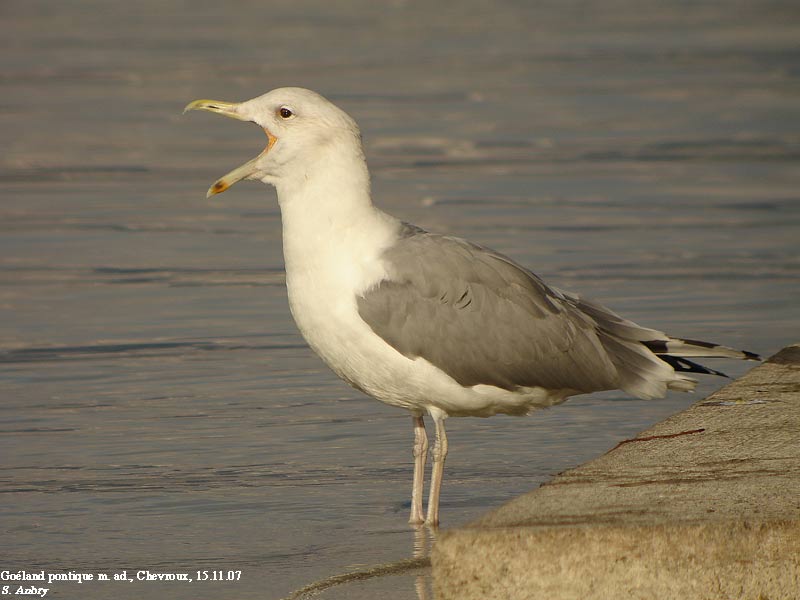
pixel 158 408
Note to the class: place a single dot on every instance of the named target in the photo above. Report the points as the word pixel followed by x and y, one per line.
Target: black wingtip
pixel 684 365
pixel 662 347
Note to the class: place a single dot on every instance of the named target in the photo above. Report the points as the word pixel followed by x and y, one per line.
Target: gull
pixel 431 323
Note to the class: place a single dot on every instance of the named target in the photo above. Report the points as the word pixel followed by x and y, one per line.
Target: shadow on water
pixel 424 538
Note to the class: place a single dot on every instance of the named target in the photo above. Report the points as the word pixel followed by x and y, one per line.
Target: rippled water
pixel 159 409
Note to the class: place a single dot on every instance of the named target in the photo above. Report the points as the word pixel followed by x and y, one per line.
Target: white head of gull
pixel 432 324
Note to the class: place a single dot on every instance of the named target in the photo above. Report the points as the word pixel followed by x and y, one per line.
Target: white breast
pixel 325 273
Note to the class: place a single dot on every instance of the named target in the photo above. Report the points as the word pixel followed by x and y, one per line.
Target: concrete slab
pixel 706 504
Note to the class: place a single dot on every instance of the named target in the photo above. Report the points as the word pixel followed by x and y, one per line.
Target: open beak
pixel 248 169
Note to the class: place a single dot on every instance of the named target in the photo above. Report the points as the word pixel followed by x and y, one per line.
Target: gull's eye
pixel 285 112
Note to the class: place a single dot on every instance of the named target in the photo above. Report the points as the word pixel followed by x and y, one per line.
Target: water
pixel 159 409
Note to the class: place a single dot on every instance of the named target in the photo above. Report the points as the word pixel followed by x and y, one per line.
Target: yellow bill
pixel 248 169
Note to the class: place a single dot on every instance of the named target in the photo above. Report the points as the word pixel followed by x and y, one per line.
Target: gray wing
pixel 483 319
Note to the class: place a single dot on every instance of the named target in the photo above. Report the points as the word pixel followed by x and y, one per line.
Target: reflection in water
pixel 424 537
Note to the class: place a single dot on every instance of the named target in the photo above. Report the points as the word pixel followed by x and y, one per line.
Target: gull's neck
pixel 329 220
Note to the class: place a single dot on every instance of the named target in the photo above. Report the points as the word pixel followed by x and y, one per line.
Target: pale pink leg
pixel 420 457
pixel 437 456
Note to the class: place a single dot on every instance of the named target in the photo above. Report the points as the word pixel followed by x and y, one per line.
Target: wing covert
pixel 482 318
